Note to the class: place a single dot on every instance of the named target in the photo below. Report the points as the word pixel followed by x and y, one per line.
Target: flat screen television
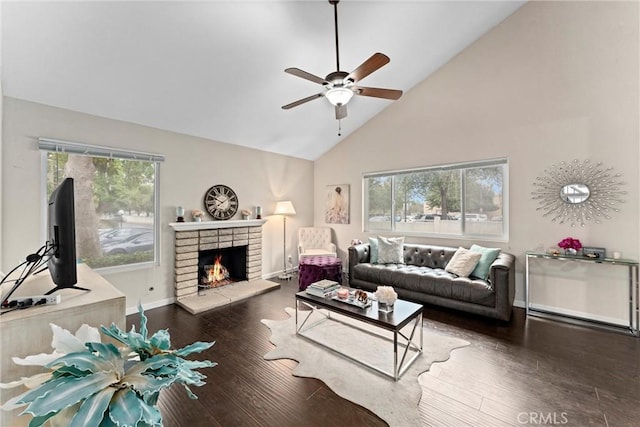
pixel 59 252
pixel 62 237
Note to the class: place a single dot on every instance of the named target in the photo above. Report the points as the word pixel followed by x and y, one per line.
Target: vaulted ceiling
pixel 215 69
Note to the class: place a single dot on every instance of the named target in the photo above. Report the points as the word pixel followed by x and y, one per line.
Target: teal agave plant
pixel 97 384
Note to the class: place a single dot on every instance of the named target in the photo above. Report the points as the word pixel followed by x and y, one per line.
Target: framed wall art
pixel 337 204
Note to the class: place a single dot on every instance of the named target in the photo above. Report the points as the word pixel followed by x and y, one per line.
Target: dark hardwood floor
pixel 526 372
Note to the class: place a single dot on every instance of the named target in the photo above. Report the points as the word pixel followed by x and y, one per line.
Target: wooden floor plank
pixel 465 414
pixel 461 394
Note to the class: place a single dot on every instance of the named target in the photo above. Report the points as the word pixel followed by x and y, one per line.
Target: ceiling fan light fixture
pixel 340 86
pixel 339 95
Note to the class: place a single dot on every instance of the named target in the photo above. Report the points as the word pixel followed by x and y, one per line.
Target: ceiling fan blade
pixel 377 92
pixel 376 61
pixel 308 76
pixel 302 101
pixel 341 111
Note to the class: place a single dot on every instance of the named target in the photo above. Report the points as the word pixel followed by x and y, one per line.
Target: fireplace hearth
pixel 218 237
pixel 239 243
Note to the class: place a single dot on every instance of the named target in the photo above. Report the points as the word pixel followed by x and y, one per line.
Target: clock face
pixel 221 202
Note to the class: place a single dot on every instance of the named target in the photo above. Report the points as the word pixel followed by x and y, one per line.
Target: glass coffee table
pixel 404 322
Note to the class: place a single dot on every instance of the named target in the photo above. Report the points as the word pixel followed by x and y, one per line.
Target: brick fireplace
pixel 195 238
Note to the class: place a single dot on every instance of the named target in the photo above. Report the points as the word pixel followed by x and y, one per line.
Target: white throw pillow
pixel 390 250
pixel 463 262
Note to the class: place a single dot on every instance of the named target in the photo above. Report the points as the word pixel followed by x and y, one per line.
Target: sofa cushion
pixel 390 250
pixel 373 250
pixel 463 262
pixel 426 280
pixel 427 256
pixel 481 271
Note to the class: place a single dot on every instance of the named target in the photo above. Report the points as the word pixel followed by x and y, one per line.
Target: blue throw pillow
pixel 373 250
pixel 488 256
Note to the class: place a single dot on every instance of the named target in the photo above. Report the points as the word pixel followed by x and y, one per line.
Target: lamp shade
pixel 285 208
pixel 339 95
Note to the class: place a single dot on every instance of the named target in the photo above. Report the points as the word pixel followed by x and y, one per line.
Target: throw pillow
pixel 488 255
pixel 462 262
pixel 373 250
pixel 390 250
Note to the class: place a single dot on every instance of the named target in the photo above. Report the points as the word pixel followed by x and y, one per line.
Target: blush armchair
pixel 315 241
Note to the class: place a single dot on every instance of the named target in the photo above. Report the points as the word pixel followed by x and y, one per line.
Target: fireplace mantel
pixel 210 225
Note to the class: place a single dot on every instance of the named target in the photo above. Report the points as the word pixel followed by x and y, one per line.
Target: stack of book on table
pixel 323 288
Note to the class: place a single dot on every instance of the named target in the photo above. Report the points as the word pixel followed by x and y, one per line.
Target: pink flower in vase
pixel 570 243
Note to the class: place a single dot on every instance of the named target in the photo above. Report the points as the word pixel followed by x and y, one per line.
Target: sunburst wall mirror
pixel 578 192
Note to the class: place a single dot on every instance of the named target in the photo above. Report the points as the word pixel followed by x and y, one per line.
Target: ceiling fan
pixel 340 86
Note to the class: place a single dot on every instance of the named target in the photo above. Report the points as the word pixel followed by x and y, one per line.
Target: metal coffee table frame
pixel 404 313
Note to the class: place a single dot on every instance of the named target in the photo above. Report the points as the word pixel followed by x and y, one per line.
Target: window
pixel 449 201
pixel 116 198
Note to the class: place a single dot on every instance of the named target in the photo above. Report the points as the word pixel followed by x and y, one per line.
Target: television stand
pixel 59 288
pixel 26 332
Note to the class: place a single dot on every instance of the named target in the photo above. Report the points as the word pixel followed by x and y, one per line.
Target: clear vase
pixel 385 307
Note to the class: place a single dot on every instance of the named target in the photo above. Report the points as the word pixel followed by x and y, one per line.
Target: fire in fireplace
pixel 216 272
pixel 221 267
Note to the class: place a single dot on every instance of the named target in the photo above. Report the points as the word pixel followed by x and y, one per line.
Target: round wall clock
pixel 221 202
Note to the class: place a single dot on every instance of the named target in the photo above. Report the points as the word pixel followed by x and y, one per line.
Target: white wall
pixel 191 167
pixel 1 143
pixel 555 81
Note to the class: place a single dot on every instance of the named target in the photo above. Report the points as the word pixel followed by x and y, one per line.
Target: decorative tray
pixel 353 301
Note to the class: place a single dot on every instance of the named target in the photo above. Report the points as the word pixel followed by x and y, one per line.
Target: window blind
pixel 468 165
pixel 58 146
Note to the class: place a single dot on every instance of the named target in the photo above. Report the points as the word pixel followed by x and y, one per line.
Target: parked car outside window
pixel 136 243
pixel 116 235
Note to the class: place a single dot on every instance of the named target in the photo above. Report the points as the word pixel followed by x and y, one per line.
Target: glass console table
pixel 634 292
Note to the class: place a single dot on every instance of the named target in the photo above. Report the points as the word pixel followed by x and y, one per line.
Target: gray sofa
pixel 422 278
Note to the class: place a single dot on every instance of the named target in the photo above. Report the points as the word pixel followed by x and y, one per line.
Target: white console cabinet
pixel 26 332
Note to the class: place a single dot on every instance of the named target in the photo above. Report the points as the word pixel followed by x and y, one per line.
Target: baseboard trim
pixel 151 305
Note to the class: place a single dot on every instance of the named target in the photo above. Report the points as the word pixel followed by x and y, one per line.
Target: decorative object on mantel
pixel 258 212
pixel 221 202
pixel 578 192
pixel 197 215
pixel 284 208
pixel 179 214
pixel 92 383
pixel 386 297
pixel 245 213
pixel 570 245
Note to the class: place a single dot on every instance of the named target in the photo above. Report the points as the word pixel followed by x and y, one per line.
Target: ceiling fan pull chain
pixel 339 127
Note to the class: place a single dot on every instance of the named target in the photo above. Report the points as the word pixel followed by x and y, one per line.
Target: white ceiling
pixel 215 69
